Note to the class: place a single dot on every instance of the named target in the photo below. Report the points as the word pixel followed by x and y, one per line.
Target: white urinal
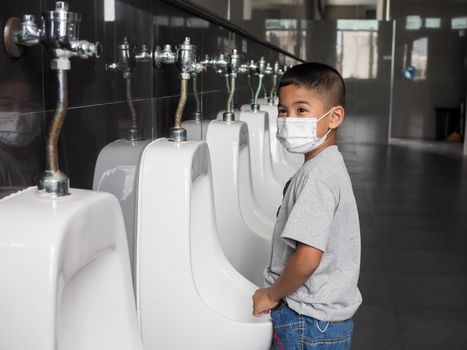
pixel 267 186
pixel 195 129
pixel 285 164
pixel 65 273
pixel 188 294
pixel 290 162
pixel 245 232
pixel 115 173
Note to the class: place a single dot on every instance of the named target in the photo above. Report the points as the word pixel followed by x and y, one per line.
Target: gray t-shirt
pixel 319 210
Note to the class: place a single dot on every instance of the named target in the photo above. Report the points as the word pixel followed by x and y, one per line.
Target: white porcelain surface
pixel 291 162
pixel 195 129
pixel 245 232
pixel 285 164
pixel 188 295
pixel 267 186
pixel 115 173
pixel 65 274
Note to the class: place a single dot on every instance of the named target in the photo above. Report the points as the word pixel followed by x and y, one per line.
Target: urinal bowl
pixel 267 187
pixel 188 295
pixel 115 173
pixel 291 162
pixel 285 163
pixel 65 274
pixel 245 232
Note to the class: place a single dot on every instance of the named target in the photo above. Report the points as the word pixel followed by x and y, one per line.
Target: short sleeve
pixel 311 217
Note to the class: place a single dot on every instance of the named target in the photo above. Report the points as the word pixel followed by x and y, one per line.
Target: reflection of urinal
pixel 188 294
pixel 115 172
pixel 195 129
pixel 245 232
pixel 267 187
pixel 65 274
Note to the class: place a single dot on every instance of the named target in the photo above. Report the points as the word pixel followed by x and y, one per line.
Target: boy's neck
pixel 330 141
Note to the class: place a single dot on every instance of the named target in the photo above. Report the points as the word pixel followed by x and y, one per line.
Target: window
pixel 357 55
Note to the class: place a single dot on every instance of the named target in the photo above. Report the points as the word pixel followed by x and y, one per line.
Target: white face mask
pixel 17 130
pixel 298 135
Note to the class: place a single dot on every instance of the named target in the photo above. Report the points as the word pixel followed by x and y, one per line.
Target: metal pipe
pixel 250 85
pixel 181 103
pixel 258 90
pixel 227 83
pixel 231 94
pixel 57 123
pixel 265 91
pixel 196 93
pixel 129 100
pixel 272 95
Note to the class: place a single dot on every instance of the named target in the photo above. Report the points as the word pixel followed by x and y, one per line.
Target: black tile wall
pixel 98 113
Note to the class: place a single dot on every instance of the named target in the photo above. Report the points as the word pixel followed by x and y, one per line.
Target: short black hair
pixel 320 77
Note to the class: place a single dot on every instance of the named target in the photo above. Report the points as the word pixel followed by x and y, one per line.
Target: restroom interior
pixel 409 181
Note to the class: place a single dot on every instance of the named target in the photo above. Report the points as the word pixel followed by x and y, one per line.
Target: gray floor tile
pixel 412 203
pixel 376 328
pixel 427 328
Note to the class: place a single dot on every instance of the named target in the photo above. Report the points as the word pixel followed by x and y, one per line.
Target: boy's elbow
pixel 308 259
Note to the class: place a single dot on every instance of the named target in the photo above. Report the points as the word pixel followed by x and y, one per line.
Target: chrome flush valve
pixel 234 67
pixel 59 32
pixel 186 60
pixel 260 70
pixel 127 57
pixel 277 72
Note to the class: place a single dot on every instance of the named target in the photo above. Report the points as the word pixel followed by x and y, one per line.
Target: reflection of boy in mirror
pixel 20 128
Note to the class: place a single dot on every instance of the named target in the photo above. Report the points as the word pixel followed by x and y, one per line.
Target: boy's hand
pixel 262 302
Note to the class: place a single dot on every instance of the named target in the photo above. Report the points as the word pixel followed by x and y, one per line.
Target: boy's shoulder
pixel 328 167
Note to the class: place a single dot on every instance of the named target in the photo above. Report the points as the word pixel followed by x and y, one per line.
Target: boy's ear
pixel 337 117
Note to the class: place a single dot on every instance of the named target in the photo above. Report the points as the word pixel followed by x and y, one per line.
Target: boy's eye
pixel 282 111
pixel 302 110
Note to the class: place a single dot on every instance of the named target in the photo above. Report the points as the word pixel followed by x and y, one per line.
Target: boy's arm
pixel 297 271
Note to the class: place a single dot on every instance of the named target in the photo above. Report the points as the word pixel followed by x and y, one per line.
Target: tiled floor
pixel 413 211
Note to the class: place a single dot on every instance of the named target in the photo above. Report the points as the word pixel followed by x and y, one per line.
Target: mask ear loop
pixel 325 114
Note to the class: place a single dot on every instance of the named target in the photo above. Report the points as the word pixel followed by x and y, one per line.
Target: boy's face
pixel 300 102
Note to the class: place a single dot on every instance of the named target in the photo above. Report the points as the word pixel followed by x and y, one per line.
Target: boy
pixel 315 261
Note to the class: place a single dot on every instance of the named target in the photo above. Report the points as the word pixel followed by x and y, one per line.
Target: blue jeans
pixel 293 331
